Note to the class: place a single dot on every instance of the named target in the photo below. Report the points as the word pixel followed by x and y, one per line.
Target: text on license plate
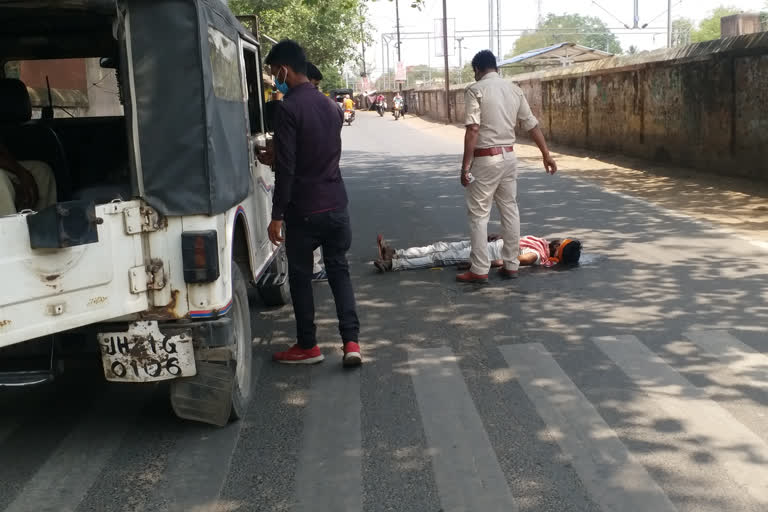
pixel 144 354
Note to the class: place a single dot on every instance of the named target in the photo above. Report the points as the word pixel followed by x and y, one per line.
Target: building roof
pixel 561 54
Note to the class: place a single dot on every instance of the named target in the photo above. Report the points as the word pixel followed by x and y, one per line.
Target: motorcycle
pixel 396 110
pixel 349 116
pixel 381 107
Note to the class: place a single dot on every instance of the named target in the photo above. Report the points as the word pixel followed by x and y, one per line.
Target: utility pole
pixel 429 56
pixel 461 65
pixel 397 14
pixel 498 28
pixel 637 15
pixel 388 68
pixel 669 23
pixel 538 15
pixel 445 57
pixel 490 24
pixel 383 60
pixel 362 38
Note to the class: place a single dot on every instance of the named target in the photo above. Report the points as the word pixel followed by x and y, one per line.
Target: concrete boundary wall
pixel 704 106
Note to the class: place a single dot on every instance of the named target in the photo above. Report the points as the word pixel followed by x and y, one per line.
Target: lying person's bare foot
pixel 380 244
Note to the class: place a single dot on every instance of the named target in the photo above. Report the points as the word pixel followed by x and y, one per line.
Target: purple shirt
pixel 307 152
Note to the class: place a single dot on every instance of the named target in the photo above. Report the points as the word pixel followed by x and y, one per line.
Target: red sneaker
pixel 471 277
pixel 298 355
pixel 509 274
pixel 352 355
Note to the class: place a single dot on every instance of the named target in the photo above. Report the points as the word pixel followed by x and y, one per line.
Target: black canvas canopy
pixel 188 120
pixel 179 70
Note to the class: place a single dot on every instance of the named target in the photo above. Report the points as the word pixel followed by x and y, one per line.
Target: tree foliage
pixel 575 28
pixel 329 30
pixel 709 28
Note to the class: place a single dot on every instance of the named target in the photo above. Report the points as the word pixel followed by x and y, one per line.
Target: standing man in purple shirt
pixel 310 198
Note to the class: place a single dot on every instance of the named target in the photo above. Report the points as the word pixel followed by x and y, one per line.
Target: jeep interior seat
pixel 102 194
pixel 31 140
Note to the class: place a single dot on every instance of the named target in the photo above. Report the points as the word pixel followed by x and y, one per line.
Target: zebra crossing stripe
pixel 614 479
pixel 200 463
pixel 740 358
pixel 740 452
pixel 65 478
pixel 467 472
pixel 329 471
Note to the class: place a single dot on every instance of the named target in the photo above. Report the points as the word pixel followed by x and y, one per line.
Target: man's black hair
pixel 484 60
pixel 288 53
pixel 571 253
pixel 313 73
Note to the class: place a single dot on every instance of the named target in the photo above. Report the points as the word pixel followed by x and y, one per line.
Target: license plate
pixel 144 354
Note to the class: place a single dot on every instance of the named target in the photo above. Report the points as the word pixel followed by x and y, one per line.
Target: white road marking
pixel 467 472
pixel 740 452
pixel 199 464
pixel 63 481
pixel 329 471
pixel 614 479
pixel 741 359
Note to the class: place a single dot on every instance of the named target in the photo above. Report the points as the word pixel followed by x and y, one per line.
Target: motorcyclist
pixel 381 102
pixel 348 103
pixel 397 104
pixel 397 101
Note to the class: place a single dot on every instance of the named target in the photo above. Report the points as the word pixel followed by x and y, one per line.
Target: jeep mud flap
pixel 207 397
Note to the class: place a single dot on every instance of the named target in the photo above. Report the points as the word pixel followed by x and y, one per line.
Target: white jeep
pixel 148 114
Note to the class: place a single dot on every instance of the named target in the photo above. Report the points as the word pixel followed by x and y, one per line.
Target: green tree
pixel 329 30
pixel 332 77
pixel 709 28
pixel 575 28
pixel 682 29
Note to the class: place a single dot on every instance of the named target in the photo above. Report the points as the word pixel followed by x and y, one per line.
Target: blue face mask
pixel 281 86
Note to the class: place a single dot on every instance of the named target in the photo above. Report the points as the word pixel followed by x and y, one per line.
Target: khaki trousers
pixel 495 180
pixel 46 187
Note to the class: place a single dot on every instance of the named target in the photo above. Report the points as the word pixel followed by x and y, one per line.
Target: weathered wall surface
pixel 703 106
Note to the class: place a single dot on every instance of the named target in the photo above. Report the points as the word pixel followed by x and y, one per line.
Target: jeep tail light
pixel 200 253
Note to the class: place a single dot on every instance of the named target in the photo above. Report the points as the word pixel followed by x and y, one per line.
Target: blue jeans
pixel 304 234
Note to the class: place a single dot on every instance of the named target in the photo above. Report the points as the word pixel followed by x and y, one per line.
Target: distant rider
pixel 397 101
pixel 348 103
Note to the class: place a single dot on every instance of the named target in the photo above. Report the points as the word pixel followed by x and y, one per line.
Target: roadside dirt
pixel 736 204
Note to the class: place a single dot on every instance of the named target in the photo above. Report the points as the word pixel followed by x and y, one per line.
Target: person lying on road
pixel 533 251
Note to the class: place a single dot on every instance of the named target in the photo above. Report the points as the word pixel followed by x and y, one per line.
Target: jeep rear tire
pixel 242 346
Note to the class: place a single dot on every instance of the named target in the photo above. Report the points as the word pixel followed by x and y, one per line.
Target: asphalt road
pixel 635 382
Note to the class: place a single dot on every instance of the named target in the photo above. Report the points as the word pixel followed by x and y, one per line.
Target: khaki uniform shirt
pixel 496 105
